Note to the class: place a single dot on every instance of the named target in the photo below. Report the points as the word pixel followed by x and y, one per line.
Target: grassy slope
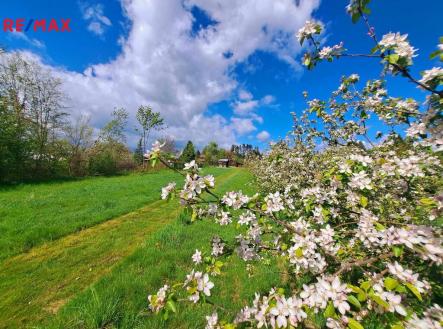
pixel 119 299
pixel 34 213
pixel 36 284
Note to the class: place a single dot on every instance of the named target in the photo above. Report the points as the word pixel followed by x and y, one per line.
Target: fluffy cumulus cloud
pixel 243 125
pixel 180 71
pixel 94 15
pixel 246 104
pixel 263 136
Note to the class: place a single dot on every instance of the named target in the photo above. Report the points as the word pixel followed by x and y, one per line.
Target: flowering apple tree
pixel 355 219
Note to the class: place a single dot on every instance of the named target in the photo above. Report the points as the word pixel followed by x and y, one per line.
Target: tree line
pixel 39 140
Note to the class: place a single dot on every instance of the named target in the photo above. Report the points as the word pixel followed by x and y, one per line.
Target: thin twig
pixel 170 167
pixel 362 262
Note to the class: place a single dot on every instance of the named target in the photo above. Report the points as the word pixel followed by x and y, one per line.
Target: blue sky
pixel 217 70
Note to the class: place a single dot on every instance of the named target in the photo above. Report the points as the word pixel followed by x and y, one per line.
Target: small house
pixel 223 163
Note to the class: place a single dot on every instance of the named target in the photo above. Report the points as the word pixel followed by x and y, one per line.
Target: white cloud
pixel 244 108
pixel 246 105
pixel 244 95
pixel 180 73
pixel 32 41
pixel 243 126
pixel 263 136
pixel 268 99
pixel 94 14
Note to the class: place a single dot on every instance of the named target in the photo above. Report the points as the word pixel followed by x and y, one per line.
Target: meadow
pixel 85 254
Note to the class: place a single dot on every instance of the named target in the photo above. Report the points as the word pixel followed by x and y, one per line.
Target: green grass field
pixel 35 213
pixel 100 276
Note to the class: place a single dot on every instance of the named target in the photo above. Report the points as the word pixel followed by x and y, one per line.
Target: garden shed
pixel 223 163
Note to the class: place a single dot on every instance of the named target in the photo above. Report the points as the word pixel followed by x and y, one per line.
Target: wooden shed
pixel 223 163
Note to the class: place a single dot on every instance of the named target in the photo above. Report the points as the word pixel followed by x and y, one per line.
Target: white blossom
pixel 204 285
pixel 246 218
pixel 432 319
pixel 197 257
pixel 157 302
pixel 363 159
pixel 416 129
pixel 217 246
pixel 235 199
pixel 399 44
pixel 308 30
pixel 274 202
pixel 431 75
pixel 223 218
pixel 155 150
pixel 360 181
pixel 408 276
pixel 167 190
pixel 212 321
pixel 191 165
pixel 329 52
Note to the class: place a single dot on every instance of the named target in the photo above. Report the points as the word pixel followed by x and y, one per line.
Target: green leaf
pixel 329 311
pixel 390 283
pixel 398 251
pixel 434 54
pixel 392 59
pixel 171 305
pixel 354 324
pixel 366 285
pixel 427 201
pixel 355 289
pixel 379 301
pixel 354 301
pixel 373 50
pixel 398 326
pixel 414 290
pixel 361 296
pixel 154 162
pixel 363 201
pixel 194 216
pixel 299 252
pixel 165 315
pixel 355 17
pixel 401 289
pixel 229 326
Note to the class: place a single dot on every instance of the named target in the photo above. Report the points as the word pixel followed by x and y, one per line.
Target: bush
pixel 110 159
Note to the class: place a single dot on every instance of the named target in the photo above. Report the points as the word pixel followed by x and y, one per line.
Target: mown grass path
pixel 119 298
pixel 34 285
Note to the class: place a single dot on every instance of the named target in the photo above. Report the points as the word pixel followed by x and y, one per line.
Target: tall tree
pixel 15 146
pixel 114 130
pixel 138 153
pixel 148 120
pixel 188 153
pixel 79 135
pixel 211 153
pixel 33 100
